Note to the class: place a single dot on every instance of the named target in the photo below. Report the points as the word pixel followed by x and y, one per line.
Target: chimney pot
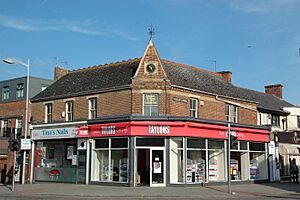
pixel 59 72
pixel 274 89
pixel 227 75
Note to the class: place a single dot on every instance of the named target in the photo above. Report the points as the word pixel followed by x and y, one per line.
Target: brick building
pixel 12 115
pixel 147 121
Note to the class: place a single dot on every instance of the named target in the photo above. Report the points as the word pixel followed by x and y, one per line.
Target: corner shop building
pixel 158 152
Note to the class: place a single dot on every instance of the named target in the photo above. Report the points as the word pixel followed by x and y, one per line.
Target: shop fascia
pixel 171 129
pixel 55 133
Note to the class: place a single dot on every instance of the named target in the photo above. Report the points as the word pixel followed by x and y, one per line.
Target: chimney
pixel 59 72
pixel 227 75
pixel 274 89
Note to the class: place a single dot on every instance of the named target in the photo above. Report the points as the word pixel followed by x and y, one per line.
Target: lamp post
pixel 15 61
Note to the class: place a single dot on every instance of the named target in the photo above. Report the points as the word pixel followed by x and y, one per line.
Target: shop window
pixel 69 110
pixel 243 145
pixel 216 165
pixel 255 146
pixel 119 143
pixel 156 142
pixel 110 164
pixel 196 166
pixel 101 143
pixel 193 107
pixel 93 108
pixel 48 111
pixel 258 166
pixel 151 105
pixel 56 161
pixel 231 113
pixel 195 143
pixel 176 160
pixel 215 144
pixel 216 160
pixel 5 93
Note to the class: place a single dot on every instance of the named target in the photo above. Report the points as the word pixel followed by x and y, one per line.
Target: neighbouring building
pixel 288 141
pixel 12 116
pixel 148 121
pixel 282 117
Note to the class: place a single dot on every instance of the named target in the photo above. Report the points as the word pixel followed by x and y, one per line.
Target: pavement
pixel 249 190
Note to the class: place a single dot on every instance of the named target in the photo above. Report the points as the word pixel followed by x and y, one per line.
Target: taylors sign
pixel 54 133
pixel 158 129
pixel 112 130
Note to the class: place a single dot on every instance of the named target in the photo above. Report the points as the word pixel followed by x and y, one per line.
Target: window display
pixel 110 160
pixel 176 160
pixel 56 161
pixel 217 166
pixel 195 167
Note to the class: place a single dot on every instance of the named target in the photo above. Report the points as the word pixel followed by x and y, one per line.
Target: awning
pixel 289 149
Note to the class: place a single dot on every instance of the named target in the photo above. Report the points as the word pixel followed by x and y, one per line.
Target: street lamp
pixel 15 61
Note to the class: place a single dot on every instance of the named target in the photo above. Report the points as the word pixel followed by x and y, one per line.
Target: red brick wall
pixel 110 103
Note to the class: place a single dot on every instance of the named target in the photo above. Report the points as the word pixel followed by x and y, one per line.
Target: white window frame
pixel 232 114
pixel 20 90
pixel 5 92
pixel 92 110
pixel 47 113
pixel 69 112
pixel 195 110
pixel 152 105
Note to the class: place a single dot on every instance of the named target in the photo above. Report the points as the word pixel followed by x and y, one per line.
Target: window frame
pixel 69 111
pixel 20 90
pixel 5 93
pixel 48 115
pixel 195 109
pixel 275 120
pixel 231 109
pixel 150 105
pixel 93 111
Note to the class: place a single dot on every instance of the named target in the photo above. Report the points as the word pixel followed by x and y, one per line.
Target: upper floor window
pixel 193 107
pixel 151 104
pixel 48 111
pixel 20 90
pixel 92 108
pixel 275 120
pixel 4 128
pixel 231 112
pixel 19 126
pixel 298 121
pixel 69 110
pixel 5 93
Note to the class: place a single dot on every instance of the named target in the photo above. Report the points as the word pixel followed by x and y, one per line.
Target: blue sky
pixel 257 40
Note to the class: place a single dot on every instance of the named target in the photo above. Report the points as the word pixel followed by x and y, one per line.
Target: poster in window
pixel 151 99
pixel 157 167
pixel 70 152
pixel 74 160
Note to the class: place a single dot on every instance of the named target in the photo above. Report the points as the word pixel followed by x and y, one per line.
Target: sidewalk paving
pixel 278 190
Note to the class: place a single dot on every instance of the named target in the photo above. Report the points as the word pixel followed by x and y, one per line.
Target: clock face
pixel 150 68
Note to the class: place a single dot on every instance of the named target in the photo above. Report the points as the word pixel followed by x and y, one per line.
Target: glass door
pixel 157 170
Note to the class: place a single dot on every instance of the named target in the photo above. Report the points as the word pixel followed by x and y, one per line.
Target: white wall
pixel 292 118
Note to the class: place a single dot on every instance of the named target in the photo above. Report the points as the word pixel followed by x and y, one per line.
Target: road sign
pixel 25 144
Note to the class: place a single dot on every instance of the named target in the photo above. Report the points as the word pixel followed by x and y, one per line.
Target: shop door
pixel 157 169
pixel 81 169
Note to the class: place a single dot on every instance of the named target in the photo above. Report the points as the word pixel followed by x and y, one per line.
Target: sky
pixel 258 40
